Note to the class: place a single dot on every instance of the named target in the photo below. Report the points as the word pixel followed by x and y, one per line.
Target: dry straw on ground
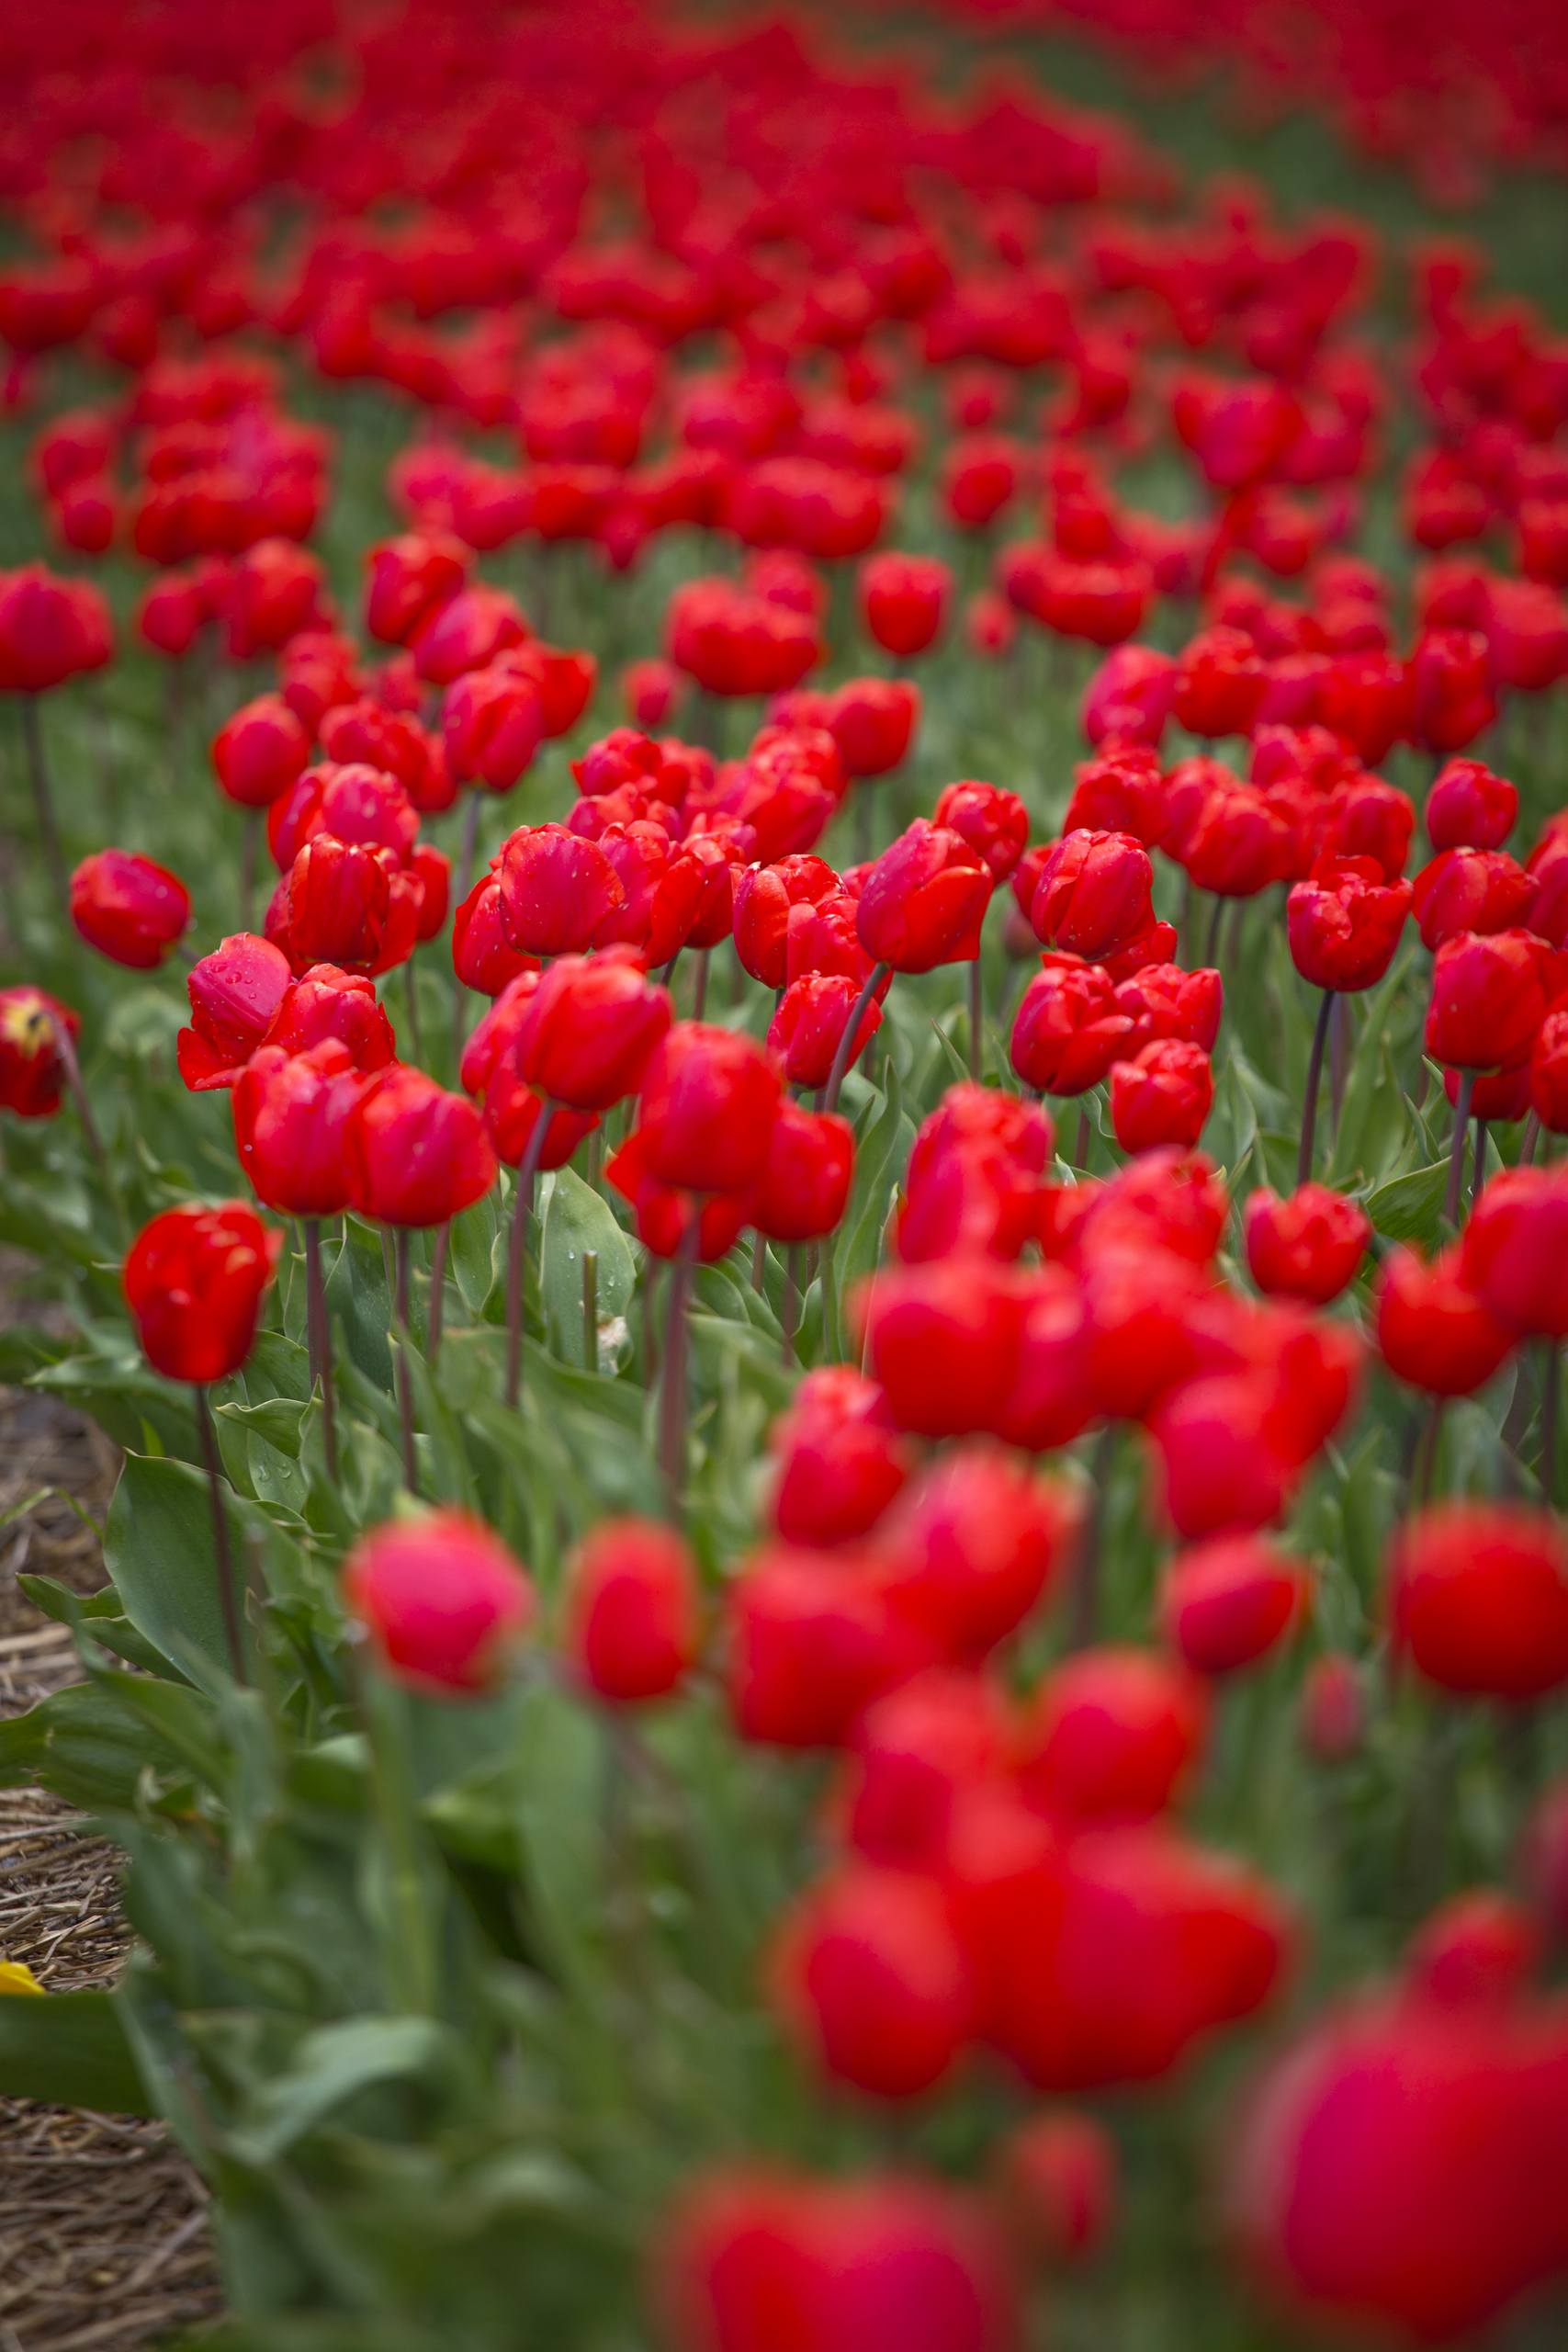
pixel 103 2238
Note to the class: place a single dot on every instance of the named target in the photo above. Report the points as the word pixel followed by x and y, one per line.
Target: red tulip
pixel 1514 1251
pixel 803 1188
pixel 916 1753
pixel 904 601
pixel 1344 923
pixel 838 1459
pixel 326 1003
pixel 1111 1735
pixel 556 890
pixel 1478 1598
pixel 871 1981
pixel 1225 1604
pixel 807 1030
pixel 33 1060
pixel 416 1155
pixel 1461 2108
pixel 1057 2178
pixel 1434 1330
pixel 234 993
pixel 590 1027
pixel 709 1100
pixel 129 910
pixel 1093 893
pixel 1162 1095
pixel 1308 1246
pixel 994 822
pixel 631 1611
pixel 924 901
pixel 853 2263
pixel 442 1601
pixel 260 751
pixel 1468 808
pixel 1489 998
pixel 290 1115
pixel 1069 1028
pixel 194 1281
pixel 813 1642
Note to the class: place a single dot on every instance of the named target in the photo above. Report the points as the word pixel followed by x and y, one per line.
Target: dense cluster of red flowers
pixel 710 300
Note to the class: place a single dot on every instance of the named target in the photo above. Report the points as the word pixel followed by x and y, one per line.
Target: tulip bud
pixel 1057 2179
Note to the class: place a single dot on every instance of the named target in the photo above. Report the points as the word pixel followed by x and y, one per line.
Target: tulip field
pixel 783 1067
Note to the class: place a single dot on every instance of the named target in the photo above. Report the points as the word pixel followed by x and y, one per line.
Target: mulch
pixel 104 2228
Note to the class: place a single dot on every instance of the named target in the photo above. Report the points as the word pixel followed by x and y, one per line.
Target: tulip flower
pixel 904 601
pixel 1478 1600
pixel 1225 1604
pixel 872 1981
pixel 260 751
pixel 194 1279
pixel 1343 925
pixel 853 2259
pixel 631 1611
pixel 1162 1095
pixel 442 1602
pixel 556 890
pixel 128 909
pixel 1463 2106
pixel 1308 1246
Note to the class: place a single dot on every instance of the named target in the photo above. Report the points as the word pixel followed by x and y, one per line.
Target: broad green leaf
pixel 159 1550
pixel 576 1220
pixel 472 1247
pixel 335 2065
pixel 1410 1207
pixel 87 1749
pixel 71 2049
